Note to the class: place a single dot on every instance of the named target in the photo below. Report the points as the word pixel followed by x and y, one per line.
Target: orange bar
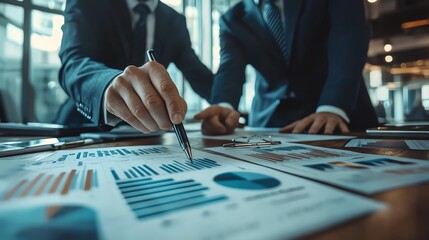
pixel 413 24
pixel 69 180
pixel 88 180
pixel 31 185
pixel 13 191
pixel 57 182
pixel 42 187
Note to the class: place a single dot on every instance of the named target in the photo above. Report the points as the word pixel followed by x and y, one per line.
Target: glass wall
pixel 11 51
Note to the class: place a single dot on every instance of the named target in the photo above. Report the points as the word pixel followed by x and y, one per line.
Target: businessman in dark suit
pixel 308 65
pixel 103 63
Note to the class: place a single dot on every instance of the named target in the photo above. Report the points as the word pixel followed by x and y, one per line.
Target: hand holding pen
pixel 178 127
pixel 146 98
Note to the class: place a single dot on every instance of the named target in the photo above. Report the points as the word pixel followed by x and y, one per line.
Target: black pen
pixel 178 128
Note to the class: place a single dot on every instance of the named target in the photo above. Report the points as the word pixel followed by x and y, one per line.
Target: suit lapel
pixel 253 18
pixel 292 10
pixel 160 31
pixel 123 24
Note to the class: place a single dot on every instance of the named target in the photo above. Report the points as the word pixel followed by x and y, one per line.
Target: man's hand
pixel 315 122
pixel 218 120
pixel 146 98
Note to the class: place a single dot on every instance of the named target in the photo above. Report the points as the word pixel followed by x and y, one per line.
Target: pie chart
pixel 246 180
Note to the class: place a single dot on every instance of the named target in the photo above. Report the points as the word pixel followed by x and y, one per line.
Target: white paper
pixel 101 195
pixel 389 143
pixel 363 173
pixel 275 135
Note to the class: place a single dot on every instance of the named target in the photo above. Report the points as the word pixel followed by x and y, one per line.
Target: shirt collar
pixel 152 4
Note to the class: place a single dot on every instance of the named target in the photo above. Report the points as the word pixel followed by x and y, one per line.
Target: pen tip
pixel 189 154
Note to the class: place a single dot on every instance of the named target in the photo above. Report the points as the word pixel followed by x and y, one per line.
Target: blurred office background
pixel 396 73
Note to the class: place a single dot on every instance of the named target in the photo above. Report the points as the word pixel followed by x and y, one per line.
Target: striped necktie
pixel 139 35
pixel 274 23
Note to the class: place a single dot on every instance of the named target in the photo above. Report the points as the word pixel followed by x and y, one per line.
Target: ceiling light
pixel 388 47
pixel 372 1
pixel 388 58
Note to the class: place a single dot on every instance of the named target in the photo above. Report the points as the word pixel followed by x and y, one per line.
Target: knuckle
pixel 153 100
pixel 139 111
pixel 167 86
pixel 131 70
pixel 118 82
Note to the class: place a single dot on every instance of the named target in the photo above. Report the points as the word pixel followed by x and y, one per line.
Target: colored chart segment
pixel 50 222
pixel 53 183
pixel 246 180
pixel 147 197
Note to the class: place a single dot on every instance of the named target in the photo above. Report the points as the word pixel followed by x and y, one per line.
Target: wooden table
pixel 407 215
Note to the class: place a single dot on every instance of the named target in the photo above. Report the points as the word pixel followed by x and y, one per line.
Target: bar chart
pixel 293 153
pixel 384 162
pixel 147 197
pixel 336 166
pixel 154 168
pixel 116 153
pixel 53 183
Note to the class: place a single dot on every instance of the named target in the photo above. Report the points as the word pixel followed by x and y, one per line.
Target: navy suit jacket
pixel 96 47
pixel 327 42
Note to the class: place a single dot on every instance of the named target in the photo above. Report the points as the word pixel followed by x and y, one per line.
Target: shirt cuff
pixel 334 110
pixel 226 105
pixel 109 118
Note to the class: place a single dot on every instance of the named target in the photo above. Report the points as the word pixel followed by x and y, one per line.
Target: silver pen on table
pixel 178 128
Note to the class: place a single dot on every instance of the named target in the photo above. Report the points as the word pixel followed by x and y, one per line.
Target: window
pixel 11 49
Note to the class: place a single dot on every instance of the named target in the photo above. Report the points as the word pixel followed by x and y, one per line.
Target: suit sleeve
pixel 230 77
pixel 198 75
pixel 347 51
pixel 82 75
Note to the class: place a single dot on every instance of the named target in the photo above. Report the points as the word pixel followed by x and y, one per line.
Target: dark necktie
pixel 274 23
pixel 139 35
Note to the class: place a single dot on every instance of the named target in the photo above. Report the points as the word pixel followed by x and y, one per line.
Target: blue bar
pixel 175 208
pixel 127 174
pixel 199 164
pixel 78 155
pixel 158 186
pixel 150 169
pixel 115 175
pixel 106 152
pixel 177 199
pixel 120 152
pixel 168 167
pixel 74 182
pixel 183 165
pixel 179 167
pixel 138 171
pixel 159 194
pixel 82 180
pixel 174 167
pixel 99 153
pixel 94 179
pixel 209 162
pixel 113 152
pixel 165 169
pixel 126 151
pixel 134 180
pixel 85 154
pixel 192 165
pixel 142 182
pixel 132 173
pixel 144 171
pixel 79 164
